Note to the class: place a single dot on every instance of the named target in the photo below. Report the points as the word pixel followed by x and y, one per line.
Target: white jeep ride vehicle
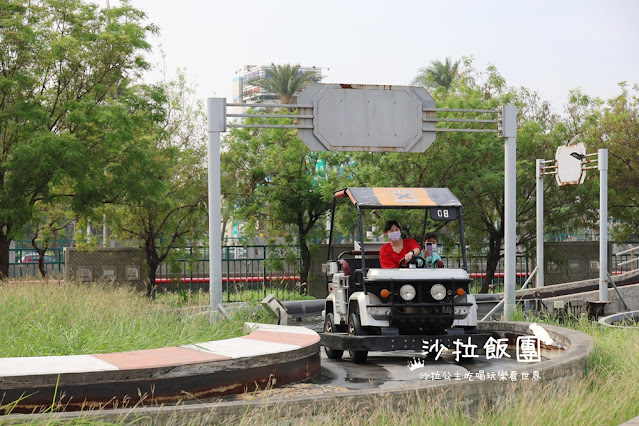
pixel 373 309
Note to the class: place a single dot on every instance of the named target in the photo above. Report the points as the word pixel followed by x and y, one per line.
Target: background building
pixel 247 90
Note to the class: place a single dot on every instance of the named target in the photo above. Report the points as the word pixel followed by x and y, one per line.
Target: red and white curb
pixel 229 366
pixel 265 339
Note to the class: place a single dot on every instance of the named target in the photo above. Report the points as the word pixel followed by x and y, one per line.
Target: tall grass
pixel 237 294
pixel 607 395
pixel 256 296
pixel 51 318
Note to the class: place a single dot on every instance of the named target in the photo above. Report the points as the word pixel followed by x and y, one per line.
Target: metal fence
pixel 275 269
pixel 261 269
pixel 626 259
pixel 23 263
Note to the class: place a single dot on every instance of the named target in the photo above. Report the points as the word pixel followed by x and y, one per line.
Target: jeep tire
pixel 329 327
pixel 355 329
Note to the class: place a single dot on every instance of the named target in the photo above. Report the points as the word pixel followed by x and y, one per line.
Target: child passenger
pixel 433 260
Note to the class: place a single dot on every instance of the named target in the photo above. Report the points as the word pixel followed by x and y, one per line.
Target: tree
pixel 275 185
pixel 166 179
pixel 438 74
pixel 64 65
pixel 44 228
pixel 472 166
pixel 615 126
pixel 270 174
pixel 286 81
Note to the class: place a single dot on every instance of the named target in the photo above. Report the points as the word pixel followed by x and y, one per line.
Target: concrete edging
pixel 610 320
pixel 268 354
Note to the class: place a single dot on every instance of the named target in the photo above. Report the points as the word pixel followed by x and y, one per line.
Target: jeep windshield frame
pixel 369 198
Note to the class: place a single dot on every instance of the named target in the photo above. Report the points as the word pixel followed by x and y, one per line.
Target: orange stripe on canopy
pixel 403 196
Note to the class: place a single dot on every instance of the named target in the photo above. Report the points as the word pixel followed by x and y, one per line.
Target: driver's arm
pixel 414 251
pixel 411 254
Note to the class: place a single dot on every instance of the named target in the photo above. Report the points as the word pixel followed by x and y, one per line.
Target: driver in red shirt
pixel 390 254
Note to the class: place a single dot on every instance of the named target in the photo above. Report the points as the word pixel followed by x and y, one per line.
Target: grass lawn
pixel 51 318
pixel 63 319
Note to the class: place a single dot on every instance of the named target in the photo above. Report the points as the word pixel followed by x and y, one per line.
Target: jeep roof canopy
pixel 397 198
pixel 440 202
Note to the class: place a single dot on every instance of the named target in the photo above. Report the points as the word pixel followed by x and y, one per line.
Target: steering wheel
pixel 414 260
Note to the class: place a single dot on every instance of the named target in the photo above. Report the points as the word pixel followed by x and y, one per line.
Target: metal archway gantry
pixel 371 118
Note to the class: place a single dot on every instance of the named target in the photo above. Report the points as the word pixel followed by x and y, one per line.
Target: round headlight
pixel 407 292
pixel 438 291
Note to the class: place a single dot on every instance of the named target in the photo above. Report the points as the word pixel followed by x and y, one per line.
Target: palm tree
pixel 286 81
pixel 438 74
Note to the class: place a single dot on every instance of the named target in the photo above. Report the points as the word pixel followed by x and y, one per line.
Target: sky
pixel 548 46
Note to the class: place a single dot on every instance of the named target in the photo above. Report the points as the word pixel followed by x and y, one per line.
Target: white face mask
pixel 395 236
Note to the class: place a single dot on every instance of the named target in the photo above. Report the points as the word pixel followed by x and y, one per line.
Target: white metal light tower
pixel 569 168
pixel 603 224
pixel 508 130
pixel 539 175
pixel 216 125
